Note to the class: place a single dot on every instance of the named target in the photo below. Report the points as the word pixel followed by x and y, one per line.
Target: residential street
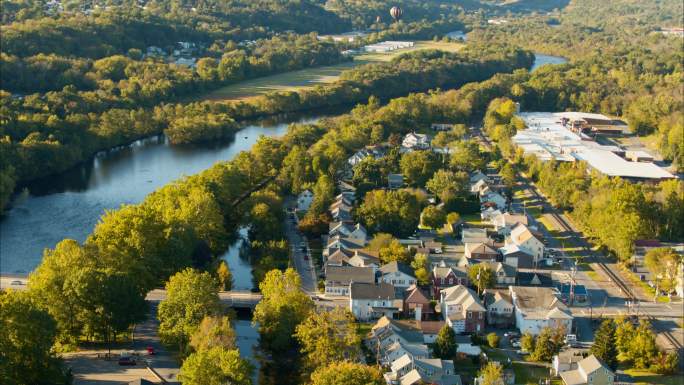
pixel 300 260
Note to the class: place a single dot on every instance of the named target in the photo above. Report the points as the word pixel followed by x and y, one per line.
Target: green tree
pixel 327 337
pixel 283 307
pixel 395 212
pixel 190 296
pixel 224 275
pixel 445 344
pixel 508 175
pixel 492 374
pixel 604 347
pixel 433 217
pixel 213 331
pixel 547 344
pixel 465 156
pixel 347 373
pixel 481 276
pixel 493 340
pixel 449 185
pixel 418 166
pixel 27 334
pixel 216 366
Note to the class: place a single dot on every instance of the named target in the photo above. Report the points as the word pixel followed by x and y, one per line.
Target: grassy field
pixel 310 77
pixel 644 377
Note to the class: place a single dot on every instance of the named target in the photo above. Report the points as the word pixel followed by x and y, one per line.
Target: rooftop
pixel 372 291
pixel 538 303
pixel 547 138
pixel 347 274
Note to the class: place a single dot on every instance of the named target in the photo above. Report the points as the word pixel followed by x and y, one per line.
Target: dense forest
pixel 47 134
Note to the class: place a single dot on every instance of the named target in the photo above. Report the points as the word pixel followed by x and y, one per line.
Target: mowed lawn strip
pixel 310 77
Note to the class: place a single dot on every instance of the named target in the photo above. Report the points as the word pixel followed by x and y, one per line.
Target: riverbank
pixel 70 204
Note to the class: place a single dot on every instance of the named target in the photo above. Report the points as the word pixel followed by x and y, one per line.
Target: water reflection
pixel 69 205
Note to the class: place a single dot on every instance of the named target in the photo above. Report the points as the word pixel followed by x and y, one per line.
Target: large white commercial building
pixel 558 135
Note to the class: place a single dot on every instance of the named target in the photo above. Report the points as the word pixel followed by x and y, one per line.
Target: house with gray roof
pixel 590 371
pixel 373 300
pixel 400 275
pixel 338 278
pixel 537 308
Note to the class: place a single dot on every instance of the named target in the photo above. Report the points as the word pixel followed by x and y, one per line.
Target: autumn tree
pixel 527 342
pixel 327 337
pixel 224 275
pixel 347 373
pixel 493 340
pixel 492 374
pixel 213 331
pixel 663 263
pixel 395 251
pixel 283 307
pixel 216 366
pixel 421 268
pixel 433 217
pixel 481 276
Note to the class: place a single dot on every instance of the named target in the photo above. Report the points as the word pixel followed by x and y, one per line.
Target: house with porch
pixel 369 301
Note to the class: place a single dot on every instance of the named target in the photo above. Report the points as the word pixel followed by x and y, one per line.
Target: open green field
pixel 310 77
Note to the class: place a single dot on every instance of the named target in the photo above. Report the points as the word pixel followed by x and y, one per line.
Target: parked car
pixel 522 352
pixel 512 334
pixel 127 361
pixel 515 343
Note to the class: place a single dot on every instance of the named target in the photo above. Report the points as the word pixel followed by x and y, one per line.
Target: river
pixel 70 204
pixel 541 59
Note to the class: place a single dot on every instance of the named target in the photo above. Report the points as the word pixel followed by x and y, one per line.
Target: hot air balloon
pixel 396 13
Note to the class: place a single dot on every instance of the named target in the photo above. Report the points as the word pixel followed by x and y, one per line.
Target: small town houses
pixel 408 314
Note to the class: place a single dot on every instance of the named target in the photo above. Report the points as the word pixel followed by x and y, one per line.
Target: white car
pixel 515 344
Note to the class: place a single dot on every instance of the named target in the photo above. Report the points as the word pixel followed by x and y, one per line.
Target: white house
pixel 527 241
pixel 373 300
pixel 493 198
pixel 504 222
pixel 537 308
pixel 338 278
pixel 399 275
pixel 356 232
pixel 413 141
pixel 478 176
pixel 500 309
pixel 565 360
pixel 590 371
pixel 304 200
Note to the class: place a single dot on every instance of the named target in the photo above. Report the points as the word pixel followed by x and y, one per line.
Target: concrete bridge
pixel 235 299
pixel 240 299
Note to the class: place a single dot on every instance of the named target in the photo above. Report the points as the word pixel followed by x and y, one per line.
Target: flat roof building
pixel 550 136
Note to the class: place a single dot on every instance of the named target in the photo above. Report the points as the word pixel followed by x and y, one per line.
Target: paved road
pixel 145 335
pixel 301 260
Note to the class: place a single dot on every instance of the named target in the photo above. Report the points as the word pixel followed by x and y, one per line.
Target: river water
pixel 541 59
pixel 70 204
